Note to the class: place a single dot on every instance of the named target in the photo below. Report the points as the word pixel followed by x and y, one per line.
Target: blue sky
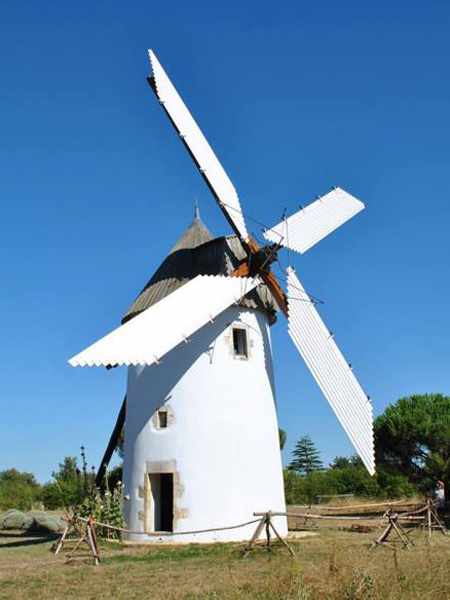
pixel 295 97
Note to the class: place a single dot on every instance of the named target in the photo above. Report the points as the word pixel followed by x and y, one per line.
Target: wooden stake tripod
pixel 85 532
pixel 393 526
pixel 432 519
pixel 266 521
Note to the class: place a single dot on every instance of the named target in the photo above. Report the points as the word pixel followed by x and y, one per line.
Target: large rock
pixel 15 519
pixel 32 521
pixel 42 521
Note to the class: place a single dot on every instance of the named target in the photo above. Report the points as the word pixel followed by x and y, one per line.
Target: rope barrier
pixel 87 534
pixel 406 515
pixel 167 533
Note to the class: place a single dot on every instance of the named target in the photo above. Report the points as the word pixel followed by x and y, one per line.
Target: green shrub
pixel 394 485
pixel 350 478
pixel 105 508
pixel 18 490
pixel 353 479
pixel 304 489
pixel 70 484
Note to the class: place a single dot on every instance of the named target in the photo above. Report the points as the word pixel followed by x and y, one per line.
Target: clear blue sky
pixel 295 97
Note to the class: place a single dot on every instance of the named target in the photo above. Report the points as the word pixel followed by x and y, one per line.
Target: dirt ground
pixel 334 564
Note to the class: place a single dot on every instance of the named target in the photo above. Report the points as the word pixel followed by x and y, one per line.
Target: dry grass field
pixel 335 564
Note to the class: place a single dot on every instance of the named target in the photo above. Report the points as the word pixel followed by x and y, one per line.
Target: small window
pixel 162 419
pixel 240 342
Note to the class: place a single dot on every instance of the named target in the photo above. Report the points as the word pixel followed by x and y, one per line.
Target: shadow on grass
pixel 179 553
pixel 27 538
pixel 196 551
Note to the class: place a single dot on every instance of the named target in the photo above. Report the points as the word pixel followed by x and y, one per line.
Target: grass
pixel 335 565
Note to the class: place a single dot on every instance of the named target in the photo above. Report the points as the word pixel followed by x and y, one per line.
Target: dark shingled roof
pixel 198 253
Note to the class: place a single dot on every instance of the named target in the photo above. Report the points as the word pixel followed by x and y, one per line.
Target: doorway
pixel 159 502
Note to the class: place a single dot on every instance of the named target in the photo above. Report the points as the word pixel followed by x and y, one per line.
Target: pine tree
pixel 306 457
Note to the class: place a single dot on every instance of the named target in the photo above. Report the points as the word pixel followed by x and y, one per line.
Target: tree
pixel 115 476
pixel 282 437
pixel 304 489
pixel 18 490
pixel 344 462
pixel 412 438
pixel 70 485
pixel 306 457
pixel 66 488
pixel 350 476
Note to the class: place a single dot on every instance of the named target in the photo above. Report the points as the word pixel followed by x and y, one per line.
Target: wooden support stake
pixel 429 518
pixel 402 534
pixel 255 536
pixel 92 540
pixel 384 536
pixel 392 526
pixel 61 540
pixel 87 535
pixel 433 519
pixel 439 523
pixel 283 541
pixel 268 532
pixel 266 521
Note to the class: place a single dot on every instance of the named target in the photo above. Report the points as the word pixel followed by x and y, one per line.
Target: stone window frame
pixel 170 417
pixel 230 341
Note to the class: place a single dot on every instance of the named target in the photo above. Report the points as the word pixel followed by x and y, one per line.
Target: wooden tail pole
pixel 112 444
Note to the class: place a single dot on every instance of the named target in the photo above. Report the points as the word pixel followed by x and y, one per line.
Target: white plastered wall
pixel 221 442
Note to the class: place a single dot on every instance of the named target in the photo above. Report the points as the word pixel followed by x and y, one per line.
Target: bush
pixel 350 478
pixel 70 485
pixel 292 487
pixel 354 480
pixel 61 494
pixel 394 485
pixel 304 489
pixel 104 508
pixel 18 490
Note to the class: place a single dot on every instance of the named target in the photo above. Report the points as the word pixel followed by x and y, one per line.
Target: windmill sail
pixel 308 226
pixel 331 371
pixel 153 333
pixel 202 153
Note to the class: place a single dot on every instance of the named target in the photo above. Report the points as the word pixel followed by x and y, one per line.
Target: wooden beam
pixel 112 445
pixel 269 278
pixel 241 271
pixel 277 291
pixel 272 283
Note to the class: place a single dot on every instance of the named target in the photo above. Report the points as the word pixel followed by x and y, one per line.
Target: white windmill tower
pixel 201 434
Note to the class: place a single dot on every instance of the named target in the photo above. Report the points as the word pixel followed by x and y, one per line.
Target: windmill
pixel 201 437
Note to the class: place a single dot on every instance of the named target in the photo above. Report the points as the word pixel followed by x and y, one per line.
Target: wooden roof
pixel 198 253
